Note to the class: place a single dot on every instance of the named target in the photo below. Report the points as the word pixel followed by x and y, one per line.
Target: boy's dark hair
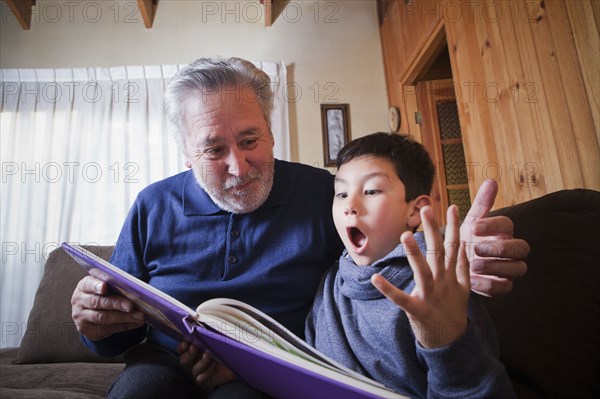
pixel 410 159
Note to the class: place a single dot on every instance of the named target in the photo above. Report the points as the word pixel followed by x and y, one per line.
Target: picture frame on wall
pixel 335 120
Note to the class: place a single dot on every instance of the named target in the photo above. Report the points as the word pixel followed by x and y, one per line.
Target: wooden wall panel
pixel 404 32
pixel 496 90
pixel 537 169
pixel 526 76
pixel 579 138
pixel 477 123
pixel 522 169
pixel 389 38
pixel 584 18
pixel 418 20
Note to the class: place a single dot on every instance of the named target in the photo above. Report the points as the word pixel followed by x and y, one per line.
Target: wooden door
pixel 441 135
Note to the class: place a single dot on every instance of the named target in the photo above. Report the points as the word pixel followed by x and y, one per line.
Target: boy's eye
pixel 372 192
pixel 341 195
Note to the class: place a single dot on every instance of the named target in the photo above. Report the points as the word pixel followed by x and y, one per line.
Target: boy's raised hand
pixel 437 306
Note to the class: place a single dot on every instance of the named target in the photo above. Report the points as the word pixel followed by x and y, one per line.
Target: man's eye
pixel 249 143
pixel 214 152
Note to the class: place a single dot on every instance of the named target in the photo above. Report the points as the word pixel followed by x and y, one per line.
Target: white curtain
pixel 77 146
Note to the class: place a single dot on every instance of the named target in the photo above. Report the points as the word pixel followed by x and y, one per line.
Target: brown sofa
pixel 549 326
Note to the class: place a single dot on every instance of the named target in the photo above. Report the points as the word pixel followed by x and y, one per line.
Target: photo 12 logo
pixel 76 11
pixel 255 12
pixel 55 92
pixel 69 172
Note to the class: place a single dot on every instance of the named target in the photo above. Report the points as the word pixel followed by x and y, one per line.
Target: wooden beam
pixel 148 11
pixel 22 11
pixel 268 11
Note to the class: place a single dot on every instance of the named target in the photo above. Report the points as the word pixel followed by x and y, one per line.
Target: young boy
pixel 385 310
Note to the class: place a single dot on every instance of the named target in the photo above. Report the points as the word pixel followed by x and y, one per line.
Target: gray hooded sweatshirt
pixel 353 323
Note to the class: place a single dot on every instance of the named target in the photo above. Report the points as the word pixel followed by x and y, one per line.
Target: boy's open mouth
pixel 357 238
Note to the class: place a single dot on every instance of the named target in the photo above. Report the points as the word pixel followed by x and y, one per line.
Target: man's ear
pixel 414 215
pixel 271 138
pixel 186 162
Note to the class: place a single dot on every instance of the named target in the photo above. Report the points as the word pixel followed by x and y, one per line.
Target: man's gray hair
pixel 209 75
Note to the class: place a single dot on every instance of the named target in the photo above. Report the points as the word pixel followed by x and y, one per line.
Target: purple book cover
pixel 278 377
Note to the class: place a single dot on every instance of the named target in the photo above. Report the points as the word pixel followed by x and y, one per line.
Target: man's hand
pixel 496 257
pixel 207 373
pixel 98 315
pixel 442 288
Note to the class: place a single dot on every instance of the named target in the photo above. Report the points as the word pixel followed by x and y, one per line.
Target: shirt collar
pixel 196 201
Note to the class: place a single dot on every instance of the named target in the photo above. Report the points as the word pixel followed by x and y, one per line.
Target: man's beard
pixel 246 201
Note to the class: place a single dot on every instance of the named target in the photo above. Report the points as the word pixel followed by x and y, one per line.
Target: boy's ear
pixel 414 215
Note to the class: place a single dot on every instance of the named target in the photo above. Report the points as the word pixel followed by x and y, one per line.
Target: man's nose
pixel 237 165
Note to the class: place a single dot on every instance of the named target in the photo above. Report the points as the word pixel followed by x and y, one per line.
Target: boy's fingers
pixel 433 241
pixel 463 274
pixel 452 240
pixel 394 294
pixel 421 271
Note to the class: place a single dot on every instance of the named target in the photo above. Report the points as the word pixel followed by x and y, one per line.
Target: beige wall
pixel 332 49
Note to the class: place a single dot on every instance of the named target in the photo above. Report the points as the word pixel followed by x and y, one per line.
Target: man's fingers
pixel 100 331
pixel 203 363
pixel 483 202
pixel 203 372
pixel 513 249
pixel 111 317
pixel 104 302
pixel 182 347
pixel 498 267
pixel 97 315
pixel 188 355
pixel 91 285
pixel 497 226
pixel 91 294
pixel 490 285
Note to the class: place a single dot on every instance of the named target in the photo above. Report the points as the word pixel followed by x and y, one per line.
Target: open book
pixel 258 349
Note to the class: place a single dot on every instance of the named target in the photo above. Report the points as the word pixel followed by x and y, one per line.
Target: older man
pixel 240 224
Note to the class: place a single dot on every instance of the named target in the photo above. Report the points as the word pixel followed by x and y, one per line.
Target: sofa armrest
pixel 548 326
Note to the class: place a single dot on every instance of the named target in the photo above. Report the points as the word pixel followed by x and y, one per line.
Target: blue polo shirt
pixel 179 241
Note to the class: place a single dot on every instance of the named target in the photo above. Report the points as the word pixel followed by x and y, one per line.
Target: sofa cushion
pixel 548 326
pixel 51 336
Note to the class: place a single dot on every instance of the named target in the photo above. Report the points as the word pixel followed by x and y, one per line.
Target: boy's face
pixel 370 209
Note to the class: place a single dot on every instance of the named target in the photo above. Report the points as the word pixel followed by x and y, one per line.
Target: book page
pixel 252 321
pixel 225 325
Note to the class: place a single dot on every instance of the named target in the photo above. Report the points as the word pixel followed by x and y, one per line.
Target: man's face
pixel 230 148
pixel 370 209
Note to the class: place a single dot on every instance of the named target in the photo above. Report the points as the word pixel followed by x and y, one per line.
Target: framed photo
pixel 336 130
